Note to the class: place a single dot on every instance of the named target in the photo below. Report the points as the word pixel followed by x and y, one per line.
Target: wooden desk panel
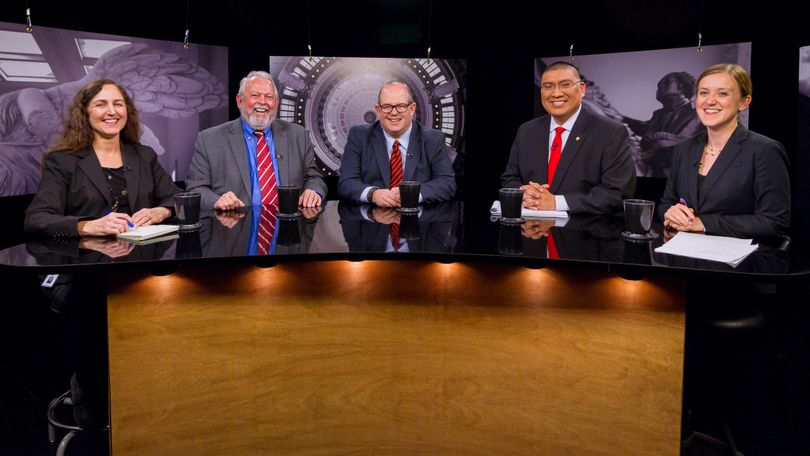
pixel 387 357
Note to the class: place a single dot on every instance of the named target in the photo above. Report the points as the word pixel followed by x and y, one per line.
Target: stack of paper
pixel 142 233
pixel 528 213
pixel 716 248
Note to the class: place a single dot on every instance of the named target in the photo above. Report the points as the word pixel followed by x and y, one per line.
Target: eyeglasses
pixel 565 86
pixel 387 108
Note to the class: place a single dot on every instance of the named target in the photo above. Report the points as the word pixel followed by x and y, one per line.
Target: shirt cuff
pixel 364 194
pixel 562 205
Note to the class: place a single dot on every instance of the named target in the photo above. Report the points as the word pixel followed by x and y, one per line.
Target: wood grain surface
pixel 387 357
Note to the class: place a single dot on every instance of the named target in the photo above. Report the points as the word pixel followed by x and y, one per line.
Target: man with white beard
pixel 243 161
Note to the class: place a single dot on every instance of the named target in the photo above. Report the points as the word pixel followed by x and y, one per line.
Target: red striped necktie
pixel 396 165
pixel 267 229
pixel 556 151
pixel 393 230
pixel 267 174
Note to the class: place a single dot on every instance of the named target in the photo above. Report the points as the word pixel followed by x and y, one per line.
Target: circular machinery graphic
pixel 329 95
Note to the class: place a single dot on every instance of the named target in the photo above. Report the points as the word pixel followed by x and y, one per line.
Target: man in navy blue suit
pixel 570 159
pixel 367 165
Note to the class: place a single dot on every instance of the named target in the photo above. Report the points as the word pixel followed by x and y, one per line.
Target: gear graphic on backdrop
pixel 329 95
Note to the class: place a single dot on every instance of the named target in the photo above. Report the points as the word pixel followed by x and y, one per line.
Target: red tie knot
pixel 259 133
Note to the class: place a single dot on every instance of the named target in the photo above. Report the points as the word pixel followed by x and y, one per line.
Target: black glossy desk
pixel 465 338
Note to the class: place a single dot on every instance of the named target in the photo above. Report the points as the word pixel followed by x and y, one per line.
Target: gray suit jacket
pixel 595 172
pixel 220 162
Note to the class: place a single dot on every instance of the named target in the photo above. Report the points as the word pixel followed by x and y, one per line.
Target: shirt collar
pixel 403 140
pixel 249 130
pixel 569 124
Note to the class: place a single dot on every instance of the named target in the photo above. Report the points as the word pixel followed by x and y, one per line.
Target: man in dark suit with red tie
pixel 580 162
pixel 395 148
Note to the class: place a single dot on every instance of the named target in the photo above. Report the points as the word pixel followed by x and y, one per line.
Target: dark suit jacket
pixel 365 163
pixel 746 192
pixel 595 172
pixel 220 162
pixel 585 237
pixel 437 229
pixel 73 188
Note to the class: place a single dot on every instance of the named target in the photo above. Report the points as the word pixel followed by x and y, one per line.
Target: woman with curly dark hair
pixel 98 179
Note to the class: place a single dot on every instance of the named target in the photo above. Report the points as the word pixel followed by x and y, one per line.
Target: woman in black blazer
pixel 729 180
pixel 98 180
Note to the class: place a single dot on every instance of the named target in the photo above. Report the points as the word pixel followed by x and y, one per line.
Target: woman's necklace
pixel 711 151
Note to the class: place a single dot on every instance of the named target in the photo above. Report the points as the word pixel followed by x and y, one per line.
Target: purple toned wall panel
pixel 177 92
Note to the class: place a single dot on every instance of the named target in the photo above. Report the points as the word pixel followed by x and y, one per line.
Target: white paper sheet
pixel 716 248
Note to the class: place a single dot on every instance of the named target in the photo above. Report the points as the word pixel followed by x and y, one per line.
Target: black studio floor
pixel 761 397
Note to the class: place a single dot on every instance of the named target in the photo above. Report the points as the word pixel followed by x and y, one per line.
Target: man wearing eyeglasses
pixel 392 149
pixel 571 159
pixel 242 162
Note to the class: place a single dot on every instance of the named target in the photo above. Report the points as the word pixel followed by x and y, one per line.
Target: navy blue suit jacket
pixel 746 192
pixel 595 172
pixel 365 163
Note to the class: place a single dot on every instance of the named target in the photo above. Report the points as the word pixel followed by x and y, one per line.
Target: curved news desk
pixel 467 339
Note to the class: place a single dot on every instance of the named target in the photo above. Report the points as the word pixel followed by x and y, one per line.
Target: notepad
pixel 529 213
pixel 142 233
pixel 155 240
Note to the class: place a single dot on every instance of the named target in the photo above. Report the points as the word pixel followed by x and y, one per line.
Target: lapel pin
pixel 577 138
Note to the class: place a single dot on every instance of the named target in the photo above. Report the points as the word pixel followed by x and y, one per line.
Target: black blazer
pixel 595 172
pixel 365 163
pixel 73 188
pixel 746 192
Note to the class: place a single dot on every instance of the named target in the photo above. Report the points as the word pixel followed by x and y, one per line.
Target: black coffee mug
pixel 409 196
pixel 511 204
pixel 638 216
pixel 288 196
pixel 187 210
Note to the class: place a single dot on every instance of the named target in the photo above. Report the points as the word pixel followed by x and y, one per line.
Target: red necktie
pixel 394 231
pixel 267 175
pixel 556 150
pixel 552 247
pixel 396 165
pixel 267 228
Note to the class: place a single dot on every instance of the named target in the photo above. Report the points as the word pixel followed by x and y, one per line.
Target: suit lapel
pixel 280 143
pixel 132 173
pixel 91 167
pixel 576 138
pixel 236 139
pixel 413 153
pixel 692 160
pixel 540 143
pixel 380 149
pixel 726 158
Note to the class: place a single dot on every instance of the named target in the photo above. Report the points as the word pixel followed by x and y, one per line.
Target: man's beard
pixel 257 124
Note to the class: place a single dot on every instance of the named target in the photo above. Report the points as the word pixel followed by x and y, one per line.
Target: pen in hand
pixel 129 224
pixel 683 201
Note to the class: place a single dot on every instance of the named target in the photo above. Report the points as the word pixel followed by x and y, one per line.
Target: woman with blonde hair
pixel 728 180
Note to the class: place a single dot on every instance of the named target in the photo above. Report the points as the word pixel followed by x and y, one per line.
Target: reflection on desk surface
pixel 443 229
